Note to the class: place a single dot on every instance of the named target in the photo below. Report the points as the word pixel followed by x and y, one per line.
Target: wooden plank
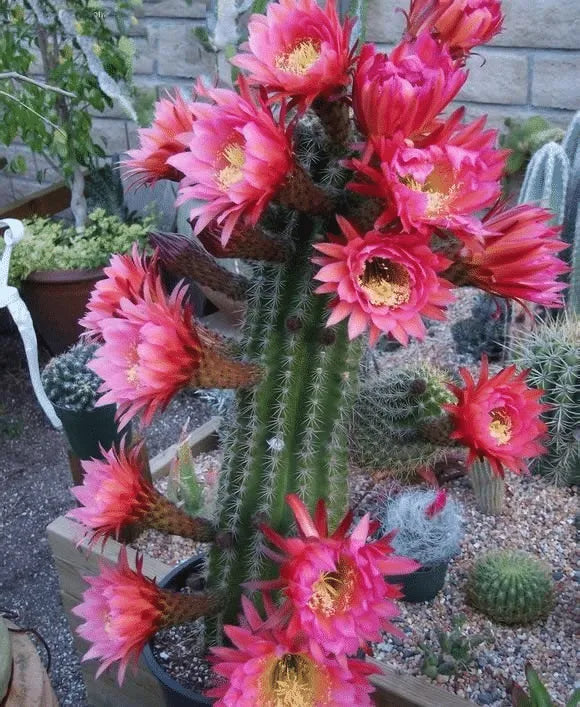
pixel 202 439
pixel 399 689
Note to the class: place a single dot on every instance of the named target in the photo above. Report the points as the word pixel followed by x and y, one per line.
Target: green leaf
pixel 259 6
pixel 574 700
pixel 538 693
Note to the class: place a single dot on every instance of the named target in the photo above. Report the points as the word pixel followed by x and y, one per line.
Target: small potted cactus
pixel 73 390
pixel 427 527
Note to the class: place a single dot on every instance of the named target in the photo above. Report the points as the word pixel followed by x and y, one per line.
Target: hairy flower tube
pixel 239 158
pixel 437 186
pixel 498 418
pixel 335 584
pixel 125 278
pixel 518 259
pixel 384 283
pixel 298 50
pixel 404 92
pixel 270 667
pixel 460 24
pixel 169 135
pixel 122 609
pixel 114 495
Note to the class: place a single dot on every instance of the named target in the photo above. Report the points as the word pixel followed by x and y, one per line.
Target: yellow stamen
pixel 385 283
pixel 438 188
pixel 500 427
pixel 333 590
pixel 293 681
pixel 300 59
pixel 132 371
pixel 232 173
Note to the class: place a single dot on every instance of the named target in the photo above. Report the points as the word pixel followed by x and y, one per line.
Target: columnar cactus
pixel 550 352
pixel 488 488
pixel 67 380
pixel 511 587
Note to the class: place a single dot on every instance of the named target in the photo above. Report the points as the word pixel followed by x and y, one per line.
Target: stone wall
pixel 533 67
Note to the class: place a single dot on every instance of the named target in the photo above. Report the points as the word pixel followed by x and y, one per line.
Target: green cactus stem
pixel 67 380
pixel 289 433
pixel 546 180
pixel 488 488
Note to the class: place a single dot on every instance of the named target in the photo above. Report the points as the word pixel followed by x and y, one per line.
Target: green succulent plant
pixel 68 382
pixel 511 587
pixel 538 695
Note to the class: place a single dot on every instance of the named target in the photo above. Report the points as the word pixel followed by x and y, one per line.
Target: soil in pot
pixel 57 299
pixel 422 585
pixel 174 655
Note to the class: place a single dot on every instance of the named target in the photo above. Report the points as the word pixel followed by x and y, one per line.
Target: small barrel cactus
pixel 511 587
pixel 429 526
pixel 389 412
pixel 550 352
pixel 483 331
pixel 68 382
pixel 488 488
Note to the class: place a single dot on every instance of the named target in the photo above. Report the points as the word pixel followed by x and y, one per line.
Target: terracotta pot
pixel 57 299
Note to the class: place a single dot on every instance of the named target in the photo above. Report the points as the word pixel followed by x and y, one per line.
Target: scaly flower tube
pixel 122 609
pixel 335 584
pixel 498 418
pixel 518 259
pixel 405 91
pixel 298 50
pixel 269 667
pixel 384 283
pixel 114 494
pixel 440 185
pixel 169 135
pixel 239 158
pixel 460 24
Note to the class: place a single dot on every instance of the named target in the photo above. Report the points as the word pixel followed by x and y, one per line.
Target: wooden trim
pixel 45 202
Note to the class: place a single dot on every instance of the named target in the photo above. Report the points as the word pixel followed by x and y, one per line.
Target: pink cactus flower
pixel 125 278
pixel 335 584
pixel 382 282
pixel 439 185
pixel 498 418
pixel 437 504
pixel 460 24
pixel 518 259
pixel 405 91
pixel 298 50
pixel 150 352
pixel 169 135
pixel 239 158
pixel 269 667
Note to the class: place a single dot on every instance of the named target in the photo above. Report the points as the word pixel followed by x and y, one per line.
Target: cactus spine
pixel 511 587
pixel 67 380
pixel 289 433
pixel 488 488
pixel 550 352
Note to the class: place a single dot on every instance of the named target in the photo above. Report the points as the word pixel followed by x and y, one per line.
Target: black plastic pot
pixel 87 429
pixel 422 585
pixel 175 694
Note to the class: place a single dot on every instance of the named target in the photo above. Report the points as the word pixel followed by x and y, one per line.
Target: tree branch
pixel 47 87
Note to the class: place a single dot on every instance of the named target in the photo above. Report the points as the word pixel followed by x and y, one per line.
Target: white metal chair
pixel 10 298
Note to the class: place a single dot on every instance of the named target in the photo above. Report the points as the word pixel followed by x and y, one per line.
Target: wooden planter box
pixel 141 689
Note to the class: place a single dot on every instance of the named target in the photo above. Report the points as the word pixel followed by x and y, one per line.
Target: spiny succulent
pixel 67 380
pixel 511 587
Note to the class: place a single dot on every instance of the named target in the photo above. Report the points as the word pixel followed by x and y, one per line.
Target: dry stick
pixel 47 87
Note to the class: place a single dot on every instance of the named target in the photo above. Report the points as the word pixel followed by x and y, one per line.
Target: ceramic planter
pixel 175 694
pixel 422 585
pixel 87 429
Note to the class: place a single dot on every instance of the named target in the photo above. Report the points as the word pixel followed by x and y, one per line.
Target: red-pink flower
pixel 298 50
pixel 405 91
pixel 518 259
pixel 382 282
pixel 150 352
pixel 498 418
pixel 335 584
pixel 169 135
pixel 460 24
pixel 269 667
pixel 125 277
pixel 436 186
pixel 437 504
pixel 239 158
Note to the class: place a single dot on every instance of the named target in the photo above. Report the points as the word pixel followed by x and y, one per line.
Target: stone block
pixel 551 24
pixel 556 80
pixel 144 60
pixel 496 115
pixel 21 188
pixel 180 53
pixel 497 76
pixel 175 8
pixel 112 134
pixel 384 23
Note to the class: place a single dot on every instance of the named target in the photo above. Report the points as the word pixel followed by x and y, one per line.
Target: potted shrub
pixel 73 390
pixel 428 528
pixel 56 267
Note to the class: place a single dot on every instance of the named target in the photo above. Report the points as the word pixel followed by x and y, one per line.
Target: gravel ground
pixel 35 479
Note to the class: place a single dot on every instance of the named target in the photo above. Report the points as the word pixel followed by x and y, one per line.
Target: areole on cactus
pixel 295 371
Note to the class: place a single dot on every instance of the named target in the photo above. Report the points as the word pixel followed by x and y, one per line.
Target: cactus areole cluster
pixel 332 170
